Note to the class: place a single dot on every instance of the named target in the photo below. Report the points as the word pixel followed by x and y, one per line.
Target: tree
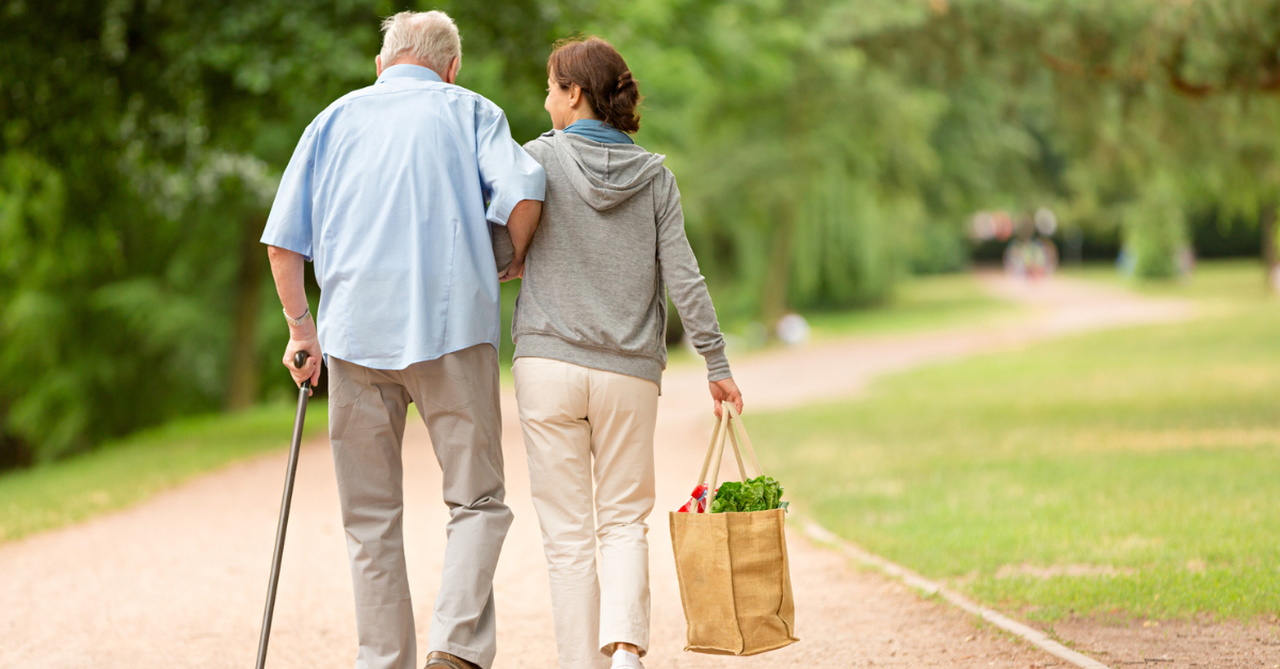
pixel 1150 108
pixel 140 148
pixel 823 149
pixel 136 152
pixel 800 166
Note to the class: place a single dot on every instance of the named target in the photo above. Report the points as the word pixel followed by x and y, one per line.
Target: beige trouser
pixel 582 424
pixel 457 396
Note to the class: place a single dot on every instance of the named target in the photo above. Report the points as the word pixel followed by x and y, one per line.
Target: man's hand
pixel 303 338
pixel 726 391
pixel 514 271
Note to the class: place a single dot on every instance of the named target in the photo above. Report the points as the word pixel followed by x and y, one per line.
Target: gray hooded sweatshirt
pixel 610 245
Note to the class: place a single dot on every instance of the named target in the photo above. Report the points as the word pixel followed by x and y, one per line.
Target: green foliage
pixel 140 145
pixel 761 493
pixel 920 303
pixel 137 145
pixel 1128 472
pixel 799 164
pixel 505 50
pixel 825 149
pixel 1116 114
pixel 1155 233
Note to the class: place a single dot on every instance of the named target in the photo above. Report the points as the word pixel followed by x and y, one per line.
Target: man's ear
pixel 454 66
pixel 377 62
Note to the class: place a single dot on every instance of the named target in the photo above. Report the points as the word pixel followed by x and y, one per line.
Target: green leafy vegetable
pixel 762 493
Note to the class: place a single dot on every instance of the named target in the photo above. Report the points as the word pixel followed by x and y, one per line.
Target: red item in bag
pixel 697 502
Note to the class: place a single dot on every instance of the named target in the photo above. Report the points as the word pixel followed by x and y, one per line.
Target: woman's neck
pixel 576 116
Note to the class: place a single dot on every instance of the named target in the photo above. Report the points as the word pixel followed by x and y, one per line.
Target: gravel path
pixel 179 580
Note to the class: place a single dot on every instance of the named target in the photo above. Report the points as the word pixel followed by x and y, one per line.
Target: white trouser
pixel 582 425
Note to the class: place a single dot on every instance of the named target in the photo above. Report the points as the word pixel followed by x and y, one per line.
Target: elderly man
pixel 386 193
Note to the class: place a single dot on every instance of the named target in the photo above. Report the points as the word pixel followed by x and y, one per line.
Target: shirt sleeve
pixel 686 284
pixel 289 224
pixel 507 172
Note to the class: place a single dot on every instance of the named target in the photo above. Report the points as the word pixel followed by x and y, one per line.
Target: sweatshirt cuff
pixel 717 365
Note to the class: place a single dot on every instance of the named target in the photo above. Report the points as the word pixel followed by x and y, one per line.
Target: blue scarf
pixel 598 131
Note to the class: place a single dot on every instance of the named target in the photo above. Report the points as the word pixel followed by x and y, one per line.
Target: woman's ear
pixel 575 96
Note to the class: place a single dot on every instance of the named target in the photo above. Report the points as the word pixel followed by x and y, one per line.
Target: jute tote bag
pixel 735 582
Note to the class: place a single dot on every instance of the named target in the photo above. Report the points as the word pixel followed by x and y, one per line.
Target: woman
pixel 589 330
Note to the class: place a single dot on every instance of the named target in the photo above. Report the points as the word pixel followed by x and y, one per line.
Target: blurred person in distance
pixel 793 330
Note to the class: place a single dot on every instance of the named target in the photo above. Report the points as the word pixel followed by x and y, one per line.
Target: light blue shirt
pixel 386 193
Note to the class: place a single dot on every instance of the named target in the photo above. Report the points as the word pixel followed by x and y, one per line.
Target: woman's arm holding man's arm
pixel 521 225
pixel 515 181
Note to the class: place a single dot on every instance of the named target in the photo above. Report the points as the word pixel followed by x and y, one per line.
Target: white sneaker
pixel 623 659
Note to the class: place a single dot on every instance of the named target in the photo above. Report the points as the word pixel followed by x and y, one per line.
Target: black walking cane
pixel 299 360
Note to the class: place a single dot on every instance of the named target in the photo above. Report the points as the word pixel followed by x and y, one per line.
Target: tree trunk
pixel 778 280
pixel 245 371
pixel 1267 224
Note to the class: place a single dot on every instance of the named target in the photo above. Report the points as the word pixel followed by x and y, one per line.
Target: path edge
pixel 817 533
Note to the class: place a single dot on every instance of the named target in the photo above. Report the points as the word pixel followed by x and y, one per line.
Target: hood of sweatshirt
pixel 604 175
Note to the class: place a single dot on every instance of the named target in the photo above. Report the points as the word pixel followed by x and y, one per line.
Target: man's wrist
pixel 303 330
pixel 296 321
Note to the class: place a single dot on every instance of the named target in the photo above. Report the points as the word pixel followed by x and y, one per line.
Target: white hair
pixel 428 37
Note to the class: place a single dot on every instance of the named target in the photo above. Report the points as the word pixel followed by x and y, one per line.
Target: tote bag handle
pixel 727 426
pixel 739 428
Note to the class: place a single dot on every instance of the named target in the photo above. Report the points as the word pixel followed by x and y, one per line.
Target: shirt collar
pixel 406 70
pixel 598 131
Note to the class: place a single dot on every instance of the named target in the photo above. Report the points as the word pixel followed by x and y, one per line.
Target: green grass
pixel 919 303
pixel 1218 282
pixel 1151 454
pixel 126 472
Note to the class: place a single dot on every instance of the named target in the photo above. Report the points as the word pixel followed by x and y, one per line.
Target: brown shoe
pixel 443 660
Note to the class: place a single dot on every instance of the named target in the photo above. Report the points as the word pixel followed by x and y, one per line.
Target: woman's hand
pixel 726 390
pixel 514 271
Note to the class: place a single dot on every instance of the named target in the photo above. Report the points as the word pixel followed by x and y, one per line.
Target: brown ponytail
pixel 606 82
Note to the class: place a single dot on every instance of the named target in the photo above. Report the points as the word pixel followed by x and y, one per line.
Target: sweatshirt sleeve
pixel 685 282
